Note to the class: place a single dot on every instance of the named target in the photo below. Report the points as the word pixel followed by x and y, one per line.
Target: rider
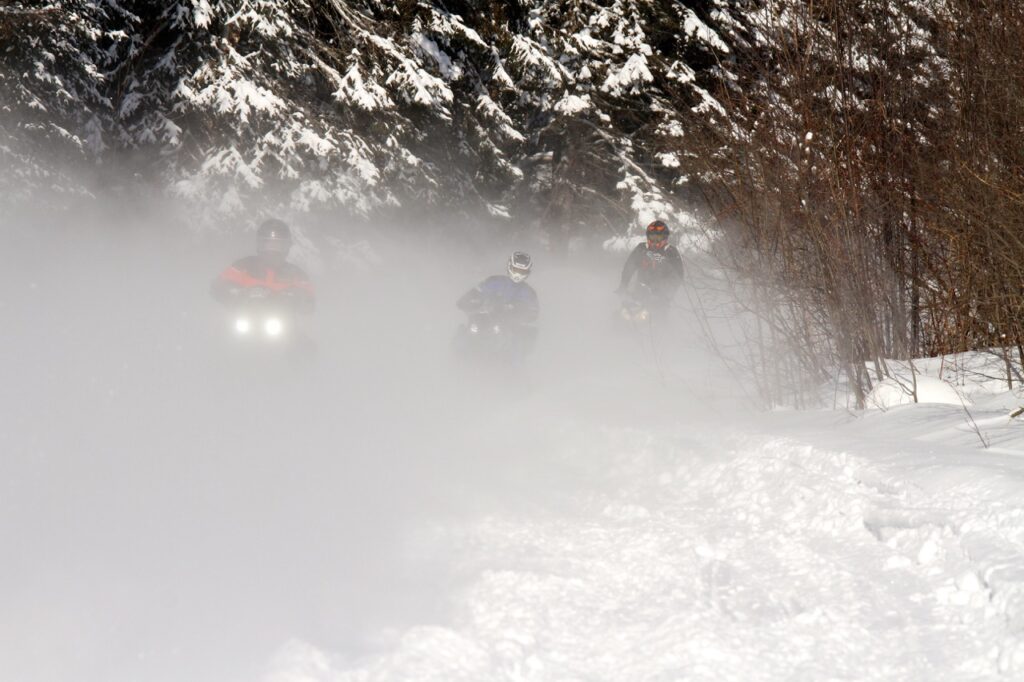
pixel 509 298
pixel 657 265
pixel 269 271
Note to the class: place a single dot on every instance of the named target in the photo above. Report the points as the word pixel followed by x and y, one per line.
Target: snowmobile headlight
pixel 273 326
pixel 642 315
pixel 474 328
pixel 243 325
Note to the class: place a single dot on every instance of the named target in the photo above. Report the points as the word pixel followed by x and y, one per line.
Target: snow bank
pixel 961 379
pixel 732 559
pixel 890 393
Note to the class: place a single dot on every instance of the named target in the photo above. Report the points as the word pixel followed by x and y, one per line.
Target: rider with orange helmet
pixel 656 263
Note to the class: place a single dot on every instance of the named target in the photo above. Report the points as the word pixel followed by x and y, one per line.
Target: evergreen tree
pixel 562 114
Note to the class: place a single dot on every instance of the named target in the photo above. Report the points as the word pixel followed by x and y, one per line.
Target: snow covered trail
pixel 653 528
pixel 621 515
pixel 171 514
pixel 710 558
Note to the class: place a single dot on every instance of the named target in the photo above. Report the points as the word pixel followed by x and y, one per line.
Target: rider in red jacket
pixel 269 271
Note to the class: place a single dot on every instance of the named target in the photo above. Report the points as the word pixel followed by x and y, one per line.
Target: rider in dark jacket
pixel 656 264
pixel 508 297
pixel 269 271
pixel 509 303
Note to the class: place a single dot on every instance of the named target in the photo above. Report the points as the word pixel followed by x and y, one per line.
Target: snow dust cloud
pixel 171 510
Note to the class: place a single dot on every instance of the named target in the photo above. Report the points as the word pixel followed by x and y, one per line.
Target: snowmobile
pixel 488 337
pixel 638 306
pixel 260 318
pixel 634 311
pixel 262 321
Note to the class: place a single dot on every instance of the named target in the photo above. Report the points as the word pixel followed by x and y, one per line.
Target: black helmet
pixel 519 266
pixel 273 238
pixel 657 235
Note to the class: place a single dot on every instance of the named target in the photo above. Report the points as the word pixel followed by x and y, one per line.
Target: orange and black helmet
pixel 657 234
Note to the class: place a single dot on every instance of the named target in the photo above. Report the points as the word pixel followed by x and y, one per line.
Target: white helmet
pixel 519 266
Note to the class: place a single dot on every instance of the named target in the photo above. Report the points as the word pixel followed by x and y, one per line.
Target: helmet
pixel 657 235
pixel 274 239
pixel 519 266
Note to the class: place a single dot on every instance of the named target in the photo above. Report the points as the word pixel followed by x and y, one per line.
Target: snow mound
pixel 890 393
pixel 754 558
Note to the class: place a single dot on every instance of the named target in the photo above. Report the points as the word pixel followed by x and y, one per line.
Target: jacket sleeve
pixel 531 307
pixel 470 301
pixel 677 265
pixel 227 284
pixel 523 308
pixel 631 266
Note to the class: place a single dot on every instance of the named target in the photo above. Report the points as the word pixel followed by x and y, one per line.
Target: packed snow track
pixel 170 513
